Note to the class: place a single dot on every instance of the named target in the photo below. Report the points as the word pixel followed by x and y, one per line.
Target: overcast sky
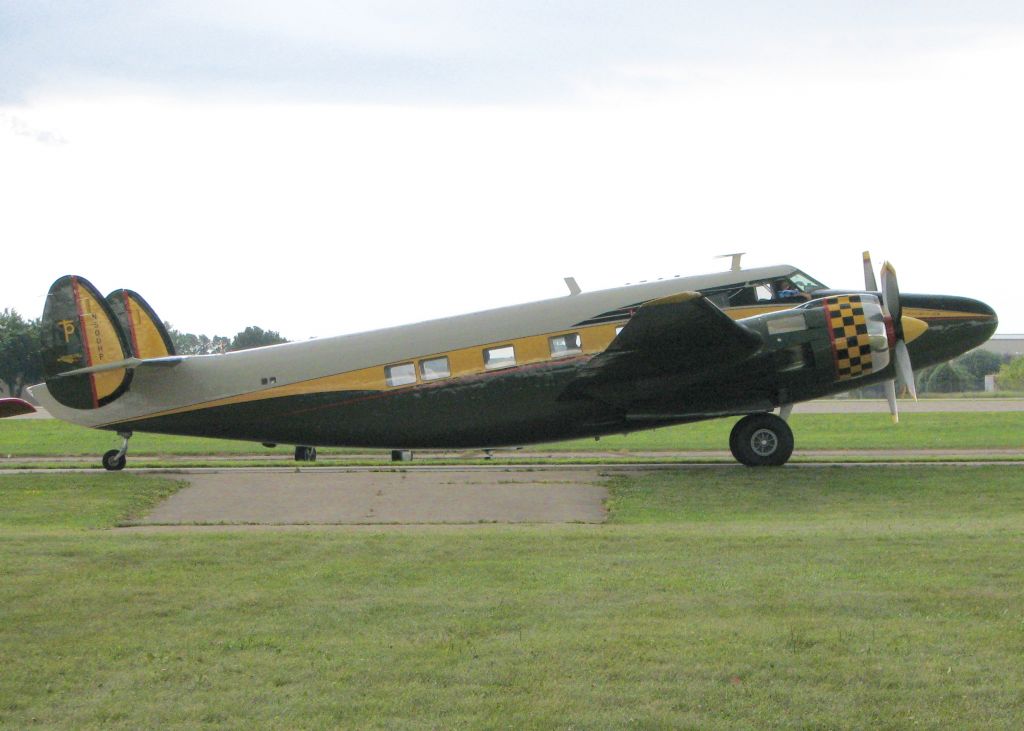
pixel 327 167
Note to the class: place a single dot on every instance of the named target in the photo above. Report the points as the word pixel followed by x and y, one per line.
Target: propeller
pixel 893 307
pixel 869 274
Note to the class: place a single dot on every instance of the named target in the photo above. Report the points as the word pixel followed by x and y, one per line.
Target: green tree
pixel 979 363
pixel 256 337
pixel 191 344
pixel 948 378
pixel 19 352
pixel 1011 375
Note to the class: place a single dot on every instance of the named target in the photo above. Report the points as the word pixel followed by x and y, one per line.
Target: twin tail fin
pixel 91 343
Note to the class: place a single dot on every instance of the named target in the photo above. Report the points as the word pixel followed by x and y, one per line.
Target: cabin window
pixel 500 357
pixel 619 329
pixel 434 368
pixel 400 375
pixel 563 345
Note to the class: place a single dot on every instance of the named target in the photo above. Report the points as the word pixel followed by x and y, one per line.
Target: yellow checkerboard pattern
pixel 850 339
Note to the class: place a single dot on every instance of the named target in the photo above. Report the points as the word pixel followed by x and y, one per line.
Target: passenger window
pixel 562 345
pixel 400 375
pixel 434 368
pixel 501 357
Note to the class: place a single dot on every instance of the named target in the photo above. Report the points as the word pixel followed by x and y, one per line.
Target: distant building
pixel 1008 344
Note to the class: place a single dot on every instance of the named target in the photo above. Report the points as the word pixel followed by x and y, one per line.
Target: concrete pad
pixel 410 497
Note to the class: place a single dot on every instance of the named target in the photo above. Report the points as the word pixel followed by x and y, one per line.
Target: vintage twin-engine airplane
pixel 738 343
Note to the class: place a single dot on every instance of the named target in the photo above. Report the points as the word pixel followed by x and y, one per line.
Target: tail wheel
pixel 114 460
pixel 761 440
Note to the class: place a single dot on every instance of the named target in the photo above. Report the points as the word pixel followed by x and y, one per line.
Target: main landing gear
pixel 761 440
pixel 305 454
pixel 115 459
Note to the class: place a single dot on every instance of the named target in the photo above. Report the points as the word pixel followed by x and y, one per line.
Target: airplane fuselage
pixel 509 376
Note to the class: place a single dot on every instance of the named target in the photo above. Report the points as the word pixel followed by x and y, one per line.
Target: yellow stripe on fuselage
pixel 924 314
pixel 465 362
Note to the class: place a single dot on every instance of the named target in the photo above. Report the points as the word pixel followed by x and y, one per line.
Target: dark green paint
pixel 562 400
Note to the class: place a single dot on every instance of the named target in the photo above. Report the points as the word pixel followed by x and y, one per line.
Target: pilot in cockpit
pixel 783 290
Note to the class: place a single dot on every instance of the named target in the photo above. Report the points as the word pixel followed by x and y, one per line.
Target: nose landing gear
pixel 115 459
pixel 761 440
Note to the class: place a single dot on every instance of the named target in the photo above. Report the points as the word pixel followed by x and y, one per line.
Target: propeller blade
pixel 904 371
pixel 891 297
pixel 869 274
pixel 890 395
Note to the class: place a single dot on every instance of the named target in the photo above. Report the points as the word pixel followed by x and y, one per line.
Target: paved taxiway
pixel 362 496
pixel 424 495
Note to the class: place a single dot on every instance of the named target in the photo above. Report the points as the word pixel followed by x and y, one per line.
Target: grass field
pixel 715 598
pixel 961 430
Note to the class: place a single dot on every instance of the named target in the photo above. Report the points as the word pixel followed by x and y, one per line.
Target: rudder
pixel 146 335
pixel 79 330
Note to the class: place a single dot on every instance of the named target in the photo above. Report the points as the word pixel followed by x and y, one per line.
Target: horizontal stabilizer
pixel 129 363
pixel 684 332
pixel 15 407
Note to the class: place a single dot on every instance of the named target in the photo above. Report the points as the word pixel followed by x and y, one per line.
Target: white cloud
pixel 319 219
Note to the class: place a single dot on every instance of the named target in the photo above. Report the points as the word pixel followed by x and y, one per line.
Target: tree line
pixel 20 365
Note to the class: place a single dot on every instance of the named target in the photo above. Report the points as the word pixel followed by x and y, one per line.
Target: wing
pixel 15 407
pixel 681 334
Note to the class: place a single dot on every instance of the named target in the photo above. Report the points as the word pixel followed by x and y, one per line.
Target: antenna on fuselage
pixel 735 260
pixel 574 288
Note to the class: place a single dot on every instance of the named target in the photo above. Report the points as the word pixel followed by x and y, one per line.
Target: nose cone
pixel 955 326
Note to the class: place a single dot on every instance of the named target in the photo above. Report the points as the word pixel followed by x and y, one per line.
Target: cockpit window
pixel 785 291
pixel 791 289
pixel 805 283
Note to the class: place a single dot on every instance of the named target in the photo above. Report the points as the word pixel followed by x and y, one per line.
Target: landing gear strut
pixel 761 440
pixel 305 454
pixel 116 459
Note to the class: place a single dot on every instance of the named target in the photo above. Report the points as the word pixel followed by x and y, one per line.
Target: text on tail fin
pixel 79 330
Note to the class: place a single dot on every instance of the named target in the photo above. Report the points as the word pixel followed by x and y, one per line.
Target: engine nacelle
pixel 839 338
pixel 861 335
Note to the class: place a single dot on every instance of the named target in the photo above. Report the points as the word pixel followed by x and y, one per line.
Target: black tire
pixel 112 463
pixel 305 454
pixel 761 440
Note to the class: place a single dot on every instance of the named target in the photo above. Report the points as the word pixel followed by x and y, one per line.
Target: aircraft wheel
pixel 112 462
pixel 761 440
pixel 305 454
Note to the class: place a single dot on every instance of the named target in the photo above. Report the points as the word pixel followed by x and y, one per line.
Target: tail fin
pixel 146 335
pixel 79 330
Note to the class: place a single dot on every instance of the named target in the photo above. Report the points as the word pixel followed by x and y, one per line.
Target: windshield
pixel 804 283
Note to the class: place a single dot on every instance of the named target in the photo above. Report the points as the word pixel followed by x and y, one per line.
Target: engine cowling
pixel 861 334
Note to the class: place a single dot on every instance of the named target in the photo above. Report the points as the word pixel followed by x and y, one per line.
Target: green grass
pixel 30 437
pixel 953 430
pixel 49 437
pixel 74 502
pixel 716 597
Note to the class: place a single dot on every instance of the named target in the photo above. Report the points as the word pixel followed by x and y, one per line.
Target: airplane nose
pixel 955 326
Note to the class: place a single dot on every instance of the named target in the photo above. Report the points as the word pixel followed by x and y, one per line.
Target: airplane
pixel 738 343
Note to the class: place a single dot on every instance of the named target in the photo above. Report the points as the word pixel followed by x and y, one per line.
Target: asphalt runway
pixel 280 498
pixel 327 497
